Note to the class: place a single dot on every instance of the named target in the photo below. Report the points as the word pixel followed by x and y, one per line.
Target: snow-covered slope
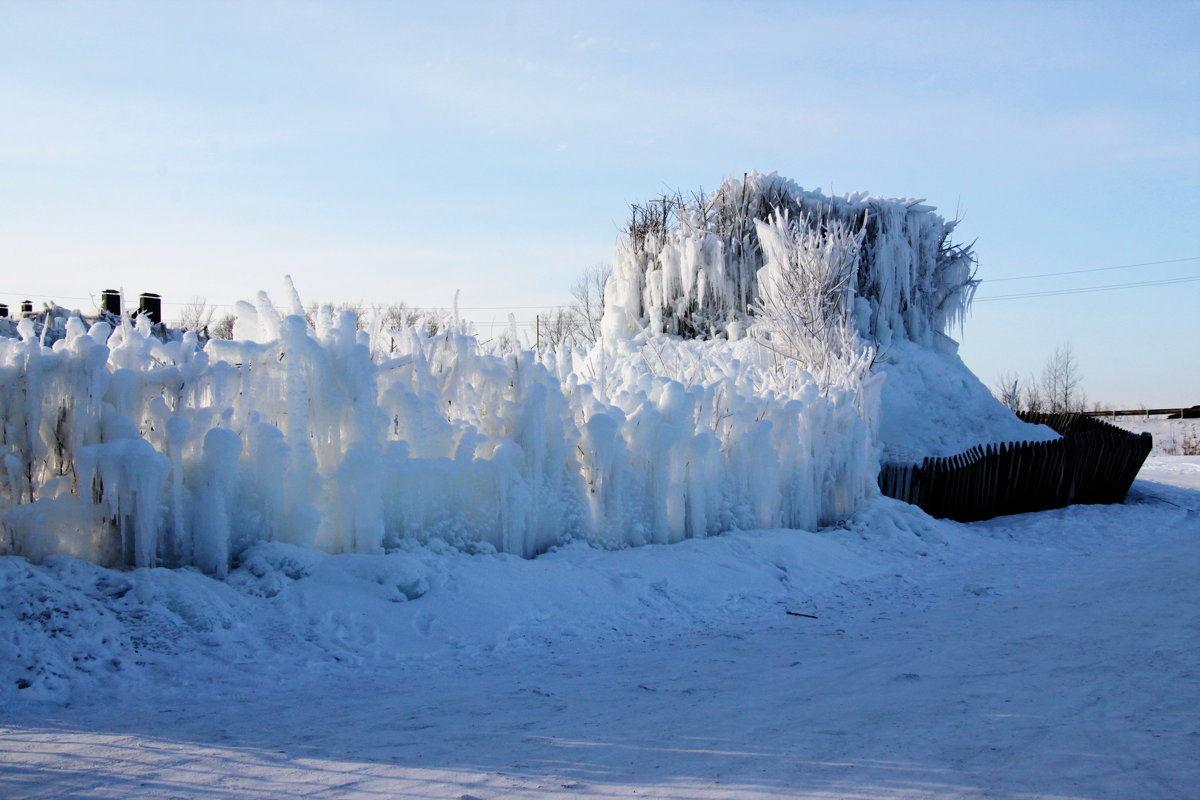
pixel 931 404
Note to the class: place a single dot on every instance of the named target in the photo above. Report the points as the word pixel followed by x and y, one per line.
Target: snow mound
pixel 931 404
pixel 70 629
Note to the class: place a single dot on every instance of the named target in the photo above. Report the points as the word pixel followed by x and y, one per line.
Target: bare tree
pixel 358 307
pixel 1032 398
pixel 398 316
pixel 560 326
pixel 1008 390
pixel 505 340
pixel 196 316
pixel 577 324
pixel 1058 389
pixel 1061 381
pixel 223 327
pixel 588 291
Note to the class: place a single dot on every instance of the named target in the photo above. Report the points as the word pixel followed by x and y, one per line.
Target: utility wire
pixel 364 305
pixel 1047 293
pixel 1094 269
pixel 1087 289
pixel 48 296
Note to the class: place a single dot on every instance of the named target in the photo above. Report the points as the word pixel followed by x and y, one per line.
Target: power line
pixel 1046 293
pixel 1088 289
pixel 1093 269
pixel 48 296
pixel 365 306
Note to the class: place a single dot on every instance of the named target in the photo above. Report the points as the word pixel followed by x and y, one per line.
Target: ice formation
pixel 853 288
pixel 694 267
pixel 121 448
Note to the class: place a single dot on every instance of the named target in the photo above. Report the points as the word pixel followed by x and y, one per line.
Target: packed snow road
pixel 1047 655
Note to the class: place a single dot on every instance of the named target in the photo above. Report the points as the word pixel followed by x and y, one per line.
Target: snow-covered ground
pixel 1172 437
pixel 1049 655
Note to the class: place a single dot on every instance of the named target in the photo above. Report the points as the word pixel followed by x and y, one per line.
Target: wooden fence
pixel 1093 462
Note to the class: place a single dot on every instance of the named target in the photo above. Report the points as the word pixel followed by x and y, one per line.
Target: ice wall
pixel 123 449
pixel 691 267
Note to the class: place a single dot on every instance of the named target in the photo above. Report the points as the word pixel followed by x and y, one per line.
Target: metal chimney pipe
pixel 150 305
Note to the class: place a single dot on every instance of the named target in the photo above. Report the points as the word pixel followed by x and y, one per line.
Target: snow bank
pixel 933 405
pixel 71 630
pixel 123 449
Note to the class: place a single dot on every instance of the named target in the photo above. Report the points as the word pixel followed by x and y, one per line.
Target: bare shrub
pixel 588 291
pixel 1008 390
pixel 805 291
pixel 196 316
pixel 399 316
pixel 222 328
pixel 561 326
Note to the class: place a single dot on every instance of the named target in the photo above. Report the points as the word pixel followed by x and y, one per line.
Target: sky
pixel 385 152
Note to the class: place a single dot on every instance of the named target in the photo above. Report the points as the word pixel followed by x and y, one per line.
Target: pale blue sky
pixel 394 151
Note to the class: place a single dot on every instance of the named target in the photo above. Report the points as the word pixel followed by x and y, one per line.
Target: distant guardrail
pixel 1169 413
pixel 1093 462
